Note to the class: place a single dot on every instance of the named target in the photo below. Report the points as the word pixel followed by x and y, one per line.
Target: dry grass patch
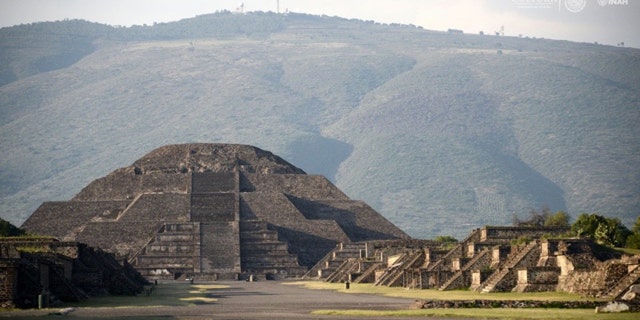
pixel 432 294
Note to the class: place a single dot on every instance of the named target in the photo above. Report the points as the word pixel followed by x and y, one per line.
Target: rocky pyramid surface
pixel 213 210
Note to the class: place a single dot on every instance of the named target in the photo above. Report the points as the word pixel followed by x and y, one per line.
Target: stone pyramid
pixel 212 211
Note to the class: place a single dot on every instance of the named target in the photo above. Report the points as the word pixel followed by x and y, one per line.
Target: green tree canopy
pixel 606 231
pixel 633 241
pixel 558 219
pixel 445 239
pixel 543 218
pixel 9 230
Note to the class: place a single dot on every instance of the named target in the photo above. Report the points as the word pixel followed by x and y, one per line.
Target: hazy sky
pixel 604 21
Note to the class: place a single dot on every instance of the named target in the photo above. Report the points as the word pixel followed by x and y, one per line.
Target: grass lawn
pixel 474 313
pixel 439 295
pixel 533 314
pixel 165 294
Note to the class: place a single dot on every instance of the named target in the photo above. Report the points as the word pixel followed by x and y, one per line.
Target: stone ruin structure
pixel 212 211
pixel 490 259
pixel 41 272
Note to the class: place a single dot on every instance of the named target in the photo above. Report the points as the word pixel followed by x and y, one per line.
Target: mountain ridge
pixel 438 132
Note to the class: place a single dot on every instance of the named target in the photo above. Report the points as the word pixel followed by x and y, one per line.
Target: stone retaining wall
pixel 428 304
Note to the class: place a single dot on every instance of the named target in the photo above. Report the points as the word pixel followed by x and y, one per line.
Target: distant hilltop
pixel 439 132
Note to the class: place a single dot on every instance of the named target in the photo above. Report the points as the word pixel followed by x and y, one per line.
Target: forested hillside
pixel 439 132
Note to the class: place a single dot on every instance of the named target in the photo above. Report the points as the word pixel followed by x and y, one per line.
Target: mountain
pixel 440 132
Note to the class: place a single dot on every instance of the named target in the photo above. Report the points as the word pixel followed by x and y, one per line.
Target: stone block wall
pixel 69 271
pixel 590 282
pixel 510 233
pixel 213 182
pixel 499 254
pixel 538 275
pixel 8 283
pixel 478 277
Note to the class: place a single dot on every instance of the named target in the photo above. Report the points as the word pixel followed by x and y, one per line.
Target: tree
pixel 633 240
pixel 606 231
pixel 586 225
pixel 9 230
pixel 445 239
pixel 446 242
pixel 558 219
pixel 543 218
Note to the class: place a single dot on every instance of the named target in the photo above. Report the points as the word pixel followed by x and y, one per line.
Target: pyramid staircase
pixel 393 275
pixel 263 253
pixel 622 285
pixel 170 252
pixel 343 272
pixel 500 277
pixel 334 259
pixel 456 251
pixel 368 275
pixel 457 280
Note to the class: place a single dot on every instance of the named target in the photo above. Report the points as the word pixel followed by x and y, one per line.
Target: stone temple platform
pixel 212 211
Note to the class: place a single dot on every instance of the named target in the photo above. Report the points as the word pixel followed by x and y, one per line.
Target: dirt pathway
pixel 241 300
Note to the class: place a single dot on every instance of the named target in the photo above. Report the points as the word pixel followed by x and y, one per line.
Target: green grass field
pixel 166 294
pixel 475 313
pixel 557 314
pixel 439 295
pixel 184 294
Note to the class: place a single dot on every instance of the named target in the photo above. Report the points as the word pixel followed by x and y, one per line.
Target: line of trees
pixel 606 231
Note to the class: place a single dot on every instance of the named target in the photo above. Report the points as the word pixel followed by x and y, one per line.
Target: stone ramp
pixel 328 264
pixel 622 286
pixel 215 205
pixel 220 248
pixel 504 279
pixel 393 275
pixel 462 278
pixel 214 197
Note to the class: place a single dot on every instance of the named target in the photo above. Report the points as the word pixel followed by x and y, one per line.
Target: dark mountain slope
pixel 438 132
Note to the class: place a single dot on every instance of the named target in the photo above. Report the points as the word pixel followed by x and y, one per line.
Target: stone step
pixel 160 272
pixel 346 254
pixel 277 272
pixel 174 237
pixel 163 261
pixel 271 259
pixel 253 225
pixel 270 246
pixel 178 227
pixel 168 250
pixel 256 236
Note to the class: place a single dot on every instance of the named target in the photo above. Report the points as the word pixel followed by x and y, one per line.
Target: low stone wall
pixel 428 304
pixel 503 232
pixel 590 282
